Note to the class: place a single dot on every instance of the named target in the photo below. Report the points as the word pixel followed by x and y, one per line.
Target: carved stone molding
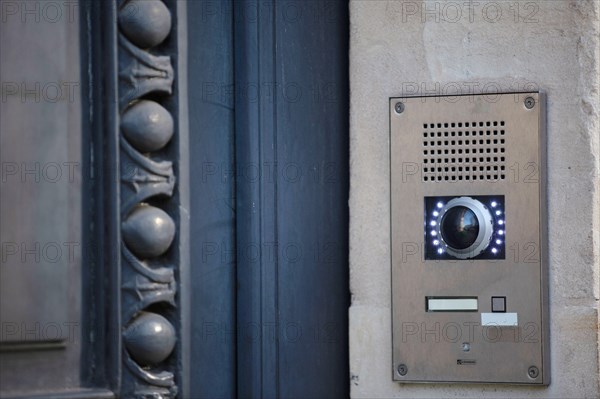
pixel 142 177
pixel 141 73
pixel 147 23
pixel 145 285
pixel 147 125
pixel 147 182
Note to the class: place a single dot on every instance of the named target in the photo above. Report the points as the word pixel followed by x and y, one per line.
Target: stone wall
pixel 414 47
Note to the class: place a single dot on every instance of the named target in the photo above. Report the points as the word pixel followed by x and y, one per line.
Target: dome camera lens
pixel 459 227
pixel 464 227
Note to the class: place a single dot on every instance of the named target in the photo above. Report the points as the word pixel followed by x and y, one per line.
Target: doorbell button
pixel 498 304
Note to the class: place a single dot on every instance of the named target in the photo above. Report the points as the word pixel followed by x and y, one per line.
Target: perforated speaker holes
pixel 464 151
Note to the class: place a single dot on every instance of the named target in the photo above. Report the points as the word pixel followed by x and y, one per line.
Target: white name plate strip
pixel 452 304
pixel 499 319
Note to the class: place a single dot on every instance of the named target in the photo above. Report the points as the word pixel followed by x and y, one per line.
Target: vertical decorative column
pixel 149 224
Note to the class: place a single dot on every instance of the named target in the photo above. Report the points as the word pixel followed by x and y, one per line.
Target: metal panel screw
pixel 402 369
pixel 399 108
pixel 533 372
pixel 529 102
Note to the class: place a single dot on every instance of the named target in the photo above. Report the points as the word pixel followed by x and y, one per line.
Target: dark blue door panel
pixel 212 213
pixel 268 92
pixel 292 130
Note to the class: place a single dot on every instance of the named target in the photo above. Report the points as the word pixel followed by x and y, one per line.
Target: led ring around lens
pixel 486 227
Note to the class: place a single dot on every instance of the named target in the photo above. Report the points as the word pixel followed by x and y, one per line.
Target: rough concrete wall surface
pixel 430 48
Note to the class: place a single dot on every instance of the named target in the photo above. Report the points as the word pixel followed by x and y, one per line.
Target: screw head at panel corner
pixel 402 369
pixel 529 102
pixel 533 372
pixel 399 107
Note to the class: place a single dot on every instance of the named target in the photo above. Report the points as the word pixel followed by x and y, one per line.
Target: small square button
pixel 499 304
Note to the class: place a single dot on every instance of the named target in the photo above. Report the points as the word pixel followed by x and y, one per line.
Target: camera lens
pixel 459 227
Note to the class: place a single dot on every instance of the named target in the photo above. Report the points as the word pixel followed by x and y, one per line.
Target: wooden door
pixel 201 208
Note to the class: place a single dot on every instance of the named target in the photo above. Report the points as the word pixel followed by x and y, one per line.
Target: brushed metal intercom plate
pixel 445 329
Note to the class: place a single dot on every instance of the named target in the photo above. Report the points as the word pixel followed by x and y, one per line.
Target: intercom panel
pixel 468 239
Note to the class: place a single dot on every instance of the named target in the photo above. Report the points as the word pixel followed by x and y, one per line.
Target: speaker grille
pixel 464 151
